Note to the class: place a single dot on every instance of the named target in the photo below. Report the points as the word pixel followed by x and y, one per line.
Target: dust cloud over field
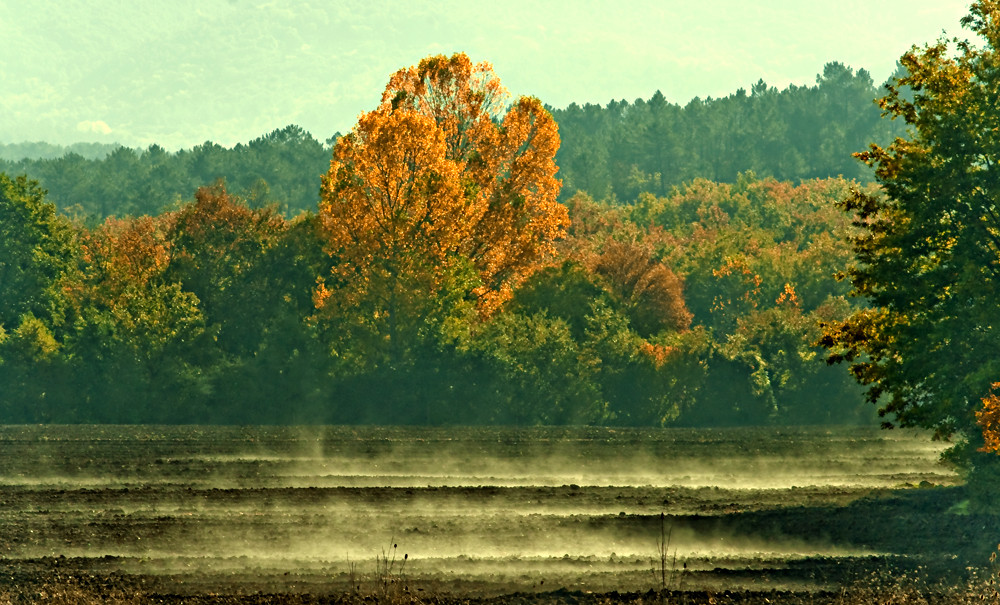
pixel 475 511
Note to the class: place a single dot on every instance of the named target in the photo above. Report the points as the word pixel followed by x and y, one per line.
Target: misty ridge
pixel 49 151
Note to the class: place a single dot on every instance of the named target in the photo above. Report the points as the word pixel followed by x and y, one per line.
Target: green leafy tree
pixel 537 373
pixel 282 371
pixel 928 249
pixel 252 272
pixel 217 245
pixel 37 245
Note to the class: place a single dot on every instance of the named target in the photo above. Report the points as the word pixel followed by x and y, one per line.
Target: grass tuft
pixel 69 591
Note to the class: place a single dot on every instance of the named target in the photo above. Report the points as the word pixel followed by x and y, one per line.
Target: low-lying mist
pixel 489 503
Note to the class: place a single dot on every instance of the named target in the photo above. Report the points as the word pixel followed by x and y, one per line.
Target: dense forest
pixel 696 308
pixel 40 150
pixel 802 132
pixel 682 278
pixel 281 168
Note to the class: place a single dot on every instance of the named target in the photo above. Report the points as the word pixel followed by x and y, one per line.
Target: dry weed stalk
pixel 388 583
pixel 352 575
pixel 663 550
pixel 390 578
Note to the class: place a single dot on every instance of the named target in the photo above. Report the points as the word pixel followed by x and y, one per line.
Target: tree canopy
pixel 37 245
pixel 441 179
pixel 928 244
pixel 438 281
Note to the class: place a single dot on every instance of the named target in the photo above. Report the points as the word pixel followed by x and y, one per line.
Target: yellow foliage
pixel 440 171
pixel 34 339
pixel 988 419
pixel 788 296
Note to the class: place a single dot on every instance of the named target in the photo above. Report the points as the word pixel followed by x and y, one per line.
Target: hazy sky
pixel 182 72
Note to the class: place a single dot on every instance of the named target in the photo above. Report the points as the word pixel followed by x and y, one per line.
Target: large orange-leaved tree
pixel 442 198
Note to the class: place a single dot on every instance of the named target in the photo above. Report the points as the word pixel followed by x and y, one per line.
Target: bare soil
pixel 332 514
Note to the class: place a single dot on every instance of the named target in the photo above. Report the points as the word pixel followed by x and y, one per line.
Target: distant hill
pixel 47 151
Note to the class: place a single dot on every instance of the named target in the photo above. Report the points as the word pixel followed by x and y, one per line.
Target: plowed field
pixel 478 513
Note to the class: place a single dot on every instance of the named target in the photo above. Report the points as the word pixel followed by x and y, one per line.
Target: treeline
pixel 611 152
pixel 281 168
pixel 802 132
pixel 693 308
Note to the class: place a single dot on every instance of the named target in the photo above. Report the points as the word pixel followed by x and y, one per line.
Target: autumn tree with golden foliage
pixel 130 327
pixel 123 295
pixel 442 193
pixel 506 158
